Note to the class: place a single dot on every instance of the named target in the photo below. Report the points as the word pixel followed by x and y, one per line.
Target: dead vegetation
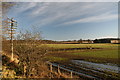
pixel 30 63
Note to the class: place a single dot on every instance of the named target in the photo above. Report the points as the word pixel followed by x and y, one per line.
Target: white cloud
pixel 66 12
pixel 47 20
pixel 40 8
pixel 21 7
pixel 99 18
pixel 108 37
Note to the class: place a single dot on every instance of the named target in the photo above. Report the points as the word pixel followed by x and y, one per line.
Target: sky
pixel 68 20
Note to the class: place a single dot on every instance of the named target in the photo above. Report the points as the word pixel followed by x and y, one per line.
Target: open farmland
pixel 83 57
pixel 83 45
pixel 107 53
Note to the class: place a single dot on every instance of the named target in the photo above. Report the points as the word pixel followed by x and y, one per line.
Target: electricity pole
pixel 11 31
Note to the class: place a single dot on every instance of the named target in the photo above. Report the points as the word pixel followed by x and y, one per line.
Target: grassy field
pixel 107 54
pixel 82 45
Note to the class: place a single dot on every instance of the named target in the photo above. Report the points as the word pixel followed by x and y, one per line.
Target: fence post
pixel 50 67
pixel 25 67
pixel 50 70
pixel 59 70
pixel 71 74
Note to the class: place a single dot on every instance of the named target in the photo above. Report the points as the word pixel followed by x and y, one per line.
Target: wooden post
pixel 59 70
pixel 12 22
pixel 51 71
pixel 25 67
pixel 50 67
pixel 12 26
pixel 71 74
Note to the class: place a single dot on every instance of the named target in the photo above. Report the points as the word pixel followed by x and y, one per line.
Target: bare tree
pixel 80 41
pixel 31 53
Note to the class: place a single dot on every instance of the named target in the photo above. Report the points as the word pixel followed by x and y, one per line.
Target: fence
pixel 70 73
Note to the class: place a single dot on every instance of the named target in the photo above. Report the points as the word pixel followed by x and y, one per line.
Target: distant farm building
pixel 86 41
pixel 115 41
pixel 78 42
pixel 69 42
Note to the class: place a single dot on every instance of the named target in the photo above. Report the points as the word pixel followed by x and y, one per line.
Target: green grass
pixel 82 45
pixel 54 59
pixel 108 53
pixel 113 54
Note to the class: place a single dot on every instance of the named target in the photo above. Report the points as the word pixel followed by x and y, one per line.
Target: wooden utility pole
pixel 12 26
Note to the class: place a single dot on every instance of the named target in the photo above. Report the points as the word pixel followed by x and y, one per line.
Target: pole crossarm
pixel 10 26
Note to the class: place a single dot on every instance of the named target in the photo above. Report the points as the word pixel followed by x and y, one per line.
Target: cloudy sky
pixel 68 20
